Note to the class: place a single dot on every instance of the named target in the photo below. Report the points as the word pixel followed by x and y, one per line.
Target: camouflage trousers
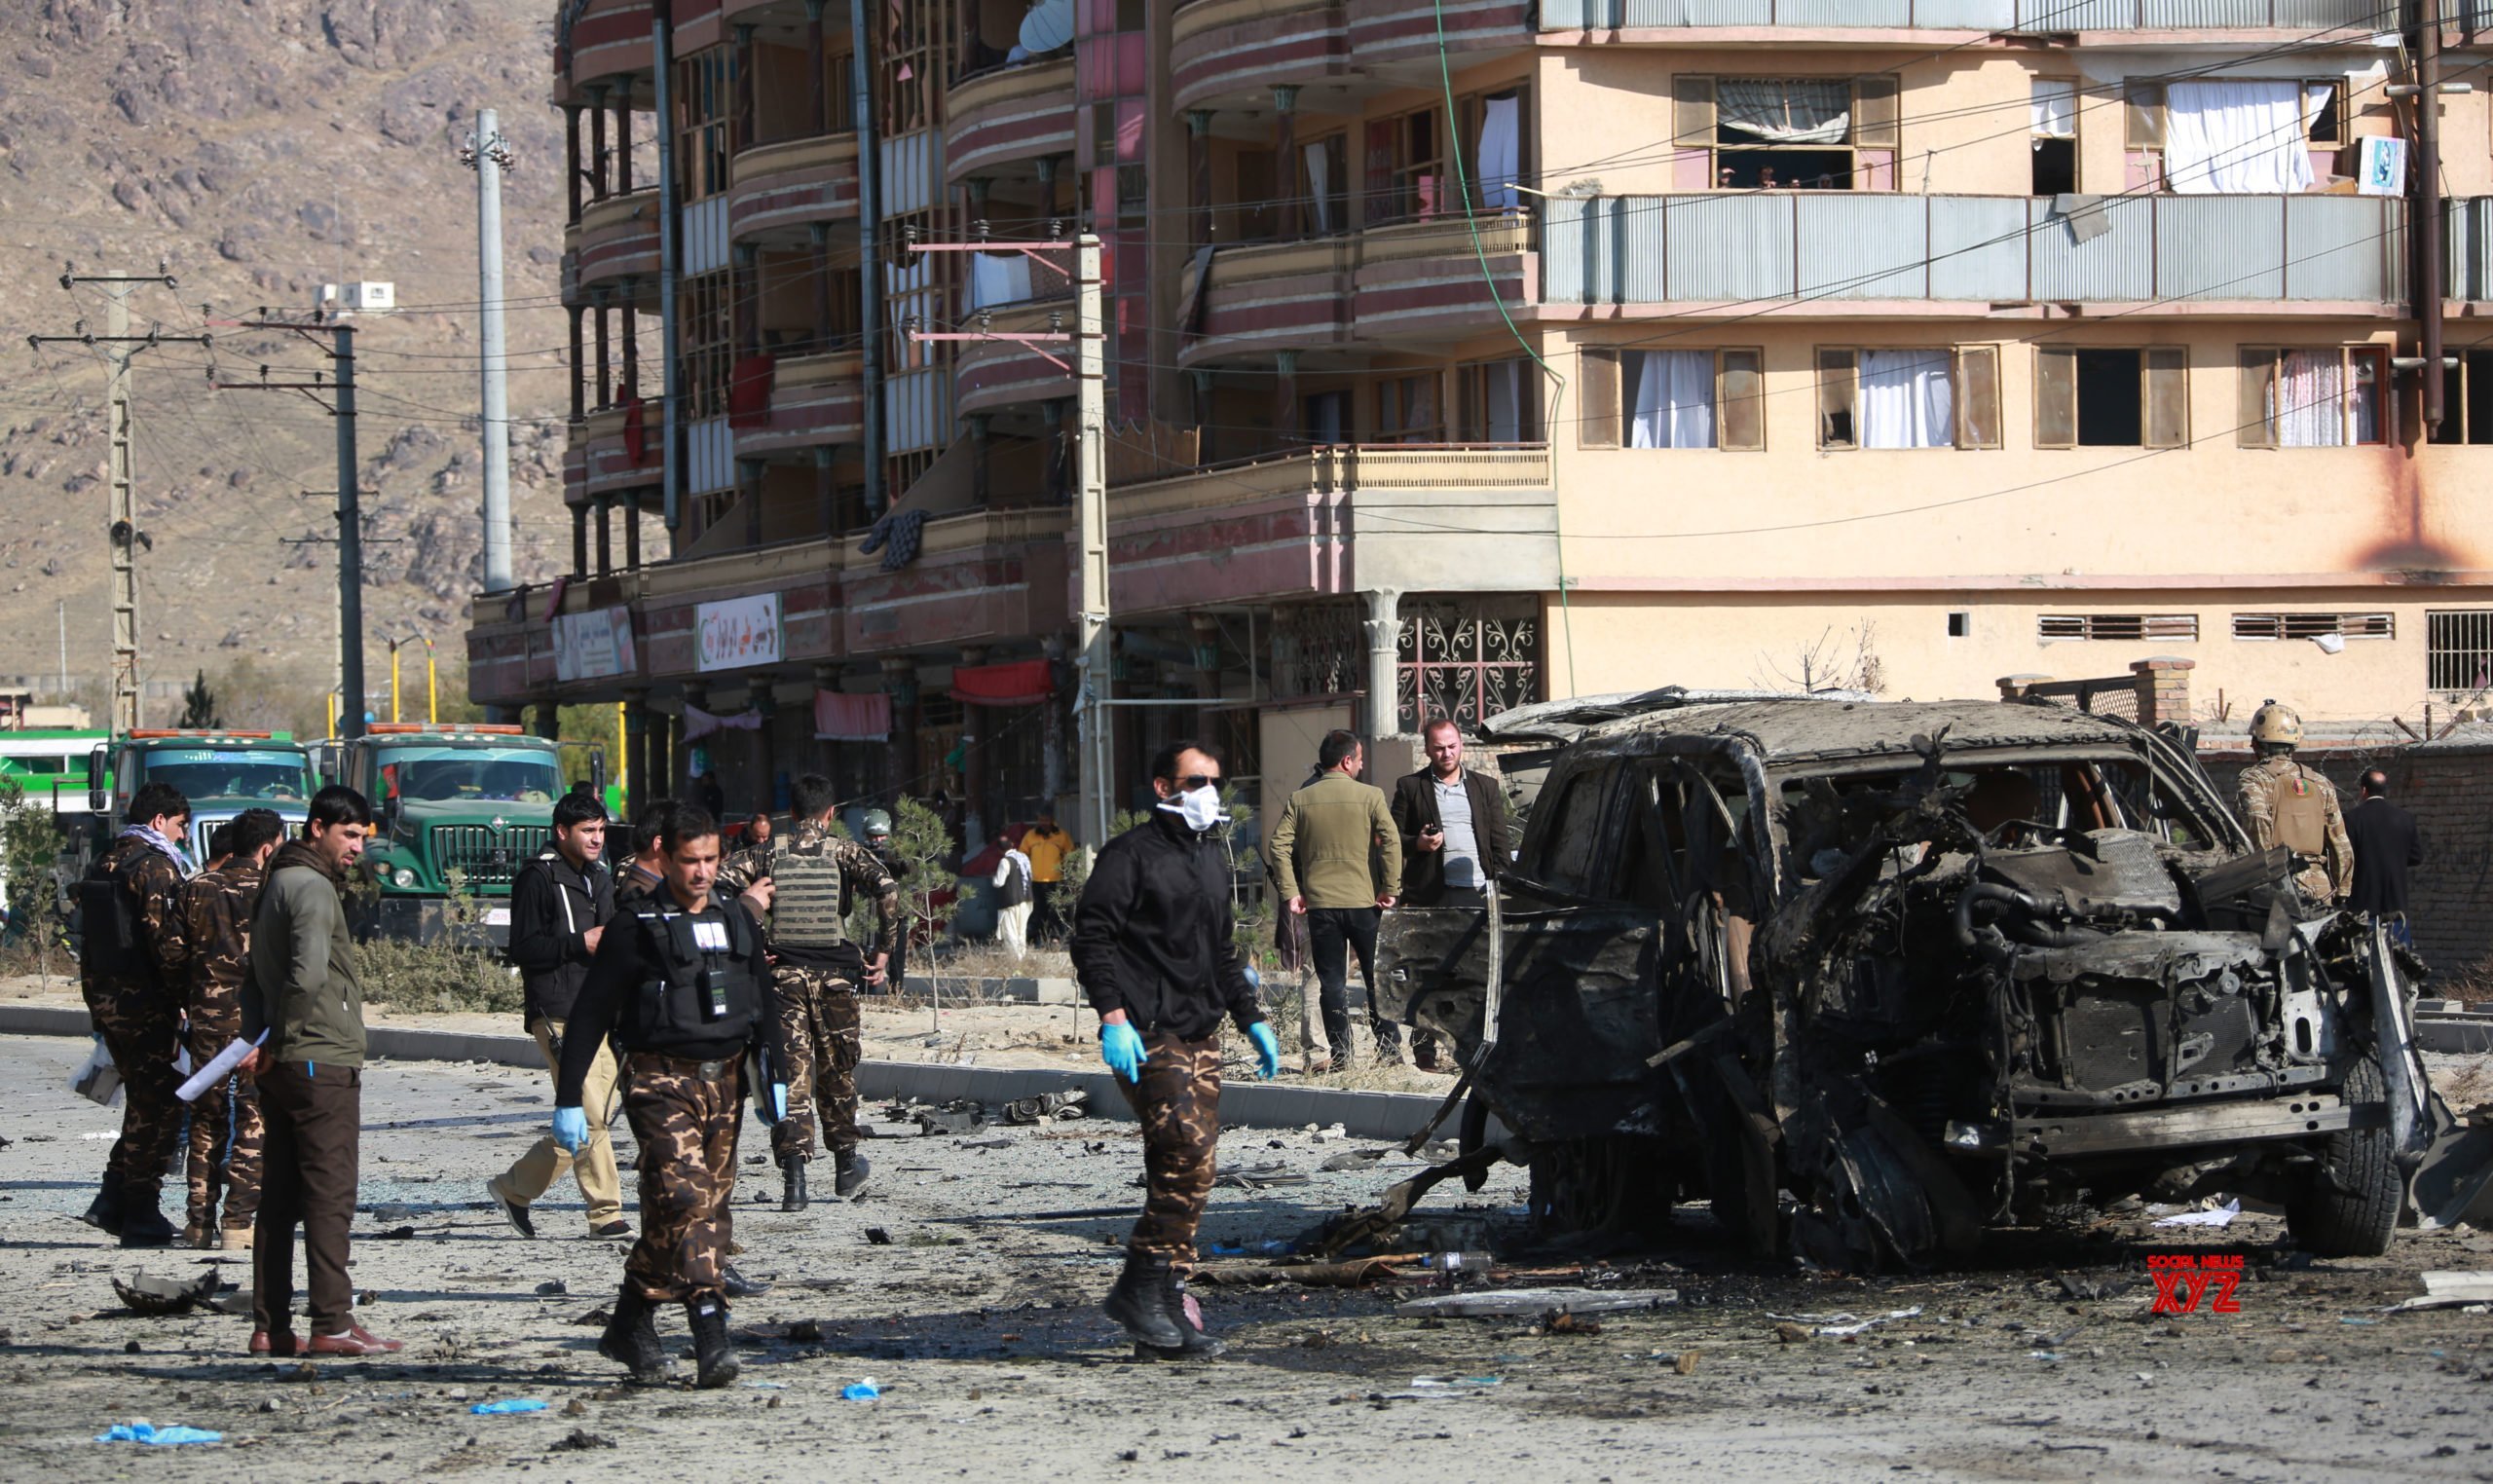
pixel 817 1014
pixel 140 1029
pixel 685 1125
pixel 225 1132
pixel 1178 1103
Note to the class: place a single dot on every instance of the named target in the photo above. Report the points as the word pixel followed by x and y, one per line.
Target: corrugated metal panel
pixel 705 236
pixel 2187 14
pixel 1865 245
pixel 917 410
pixel 2221 247
pixel 1564 249
pixel 1685 12
pixel 2471 242
pixel 1729 246
pixel 1577 14
pixel 2116 266
pixel 709 448
pixel 2076 14
pixel 1966 15
pixel 1856 13
pixel 911 168
pixel 1639 230
pixel 1978 248
pixel 2381 15
pixel 2342 246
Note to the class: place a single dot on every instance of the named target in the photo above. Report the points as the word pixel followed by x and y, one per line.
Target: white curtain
pixel 2235 138
pixel 1907 400
pixel 998 277
pixel 1500 153
pixel 2054 110
pixel 1674 399
pixel 1506 401
pixel 1785 110
pixel 1319 186
pixel 2306 402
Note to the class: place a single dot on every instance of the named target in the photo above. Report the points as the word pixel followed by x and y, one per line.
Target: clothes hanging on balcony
pixel 748 392
pixel 843 717
pixel 1907 400
pixel 1500 153
pixel 1673 398
pixel 699 723
pixel 998 277
pixel 1009 682
pixel 1777 110
pixel 2235 138
pixel 636 433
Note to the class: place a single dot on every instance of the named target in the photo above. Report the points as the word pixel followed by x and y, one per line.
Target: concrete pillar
pixel 974 720
pixel 1382 715
pixel 749 492
pixel 1054 754
pixel 1285 158
pixel 605 534
pixel 637 772
pixel 623 136
pixel 765 747
pixel 631 341
pixel 605 361
pixel 580 540
pixel 826 498
pixel 1198 176
pixel 572 173
pixel 819 234
pixel 1205 636
pixel 631 530
pixel 548 723
pixel 579 377
pixel 597 142
pixel 899 679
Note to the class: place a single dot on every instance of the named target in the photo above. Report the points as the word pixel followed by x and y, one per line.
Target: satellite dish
pixel 1048 26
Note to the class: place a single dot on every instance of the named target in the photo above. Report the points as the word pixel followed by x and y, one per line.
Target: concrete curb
pixel 1243 1104
pixel 2461 1033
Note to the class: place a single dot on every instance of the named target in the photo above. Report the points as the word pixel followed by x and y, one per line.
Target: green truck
pixel 221 772
pixel 458 807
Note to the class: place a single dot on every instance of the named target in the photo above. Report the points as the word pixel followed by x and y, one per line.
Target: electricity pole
pixel 120 348
pixel 488 154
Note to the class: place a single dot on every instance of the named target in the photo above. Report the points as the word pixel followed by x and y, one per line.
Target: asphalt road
pixel 978 1323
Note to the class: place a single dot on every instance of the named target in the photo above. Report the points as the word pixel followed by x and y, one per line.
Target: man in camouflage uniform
pixel 129 969
pixel 215 909
pixel 2285 803
pixel 816 971
pixel 678 981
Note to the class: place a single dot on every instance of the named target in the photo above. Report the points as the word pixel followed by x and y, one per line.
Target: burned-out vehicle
pixel 1873 977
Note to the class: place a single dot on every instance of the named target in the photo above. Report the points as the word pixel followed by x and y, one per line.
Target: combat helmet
pixel 2276 725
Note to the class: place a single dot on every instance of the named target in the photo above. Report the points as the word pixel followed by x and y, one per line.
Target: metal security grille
pixel 2314 625
pixel 2052 626
pixel 1468 661
pixel 2458 649
pixel 486 856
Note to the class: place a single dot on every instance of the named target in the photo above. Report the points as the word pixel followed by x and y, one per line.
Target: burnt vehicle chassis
pixel 1870 978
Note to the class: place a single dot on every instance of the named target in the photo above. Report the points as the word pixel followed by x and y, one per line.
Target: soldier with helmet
pixel 879 840
pixel 2285 803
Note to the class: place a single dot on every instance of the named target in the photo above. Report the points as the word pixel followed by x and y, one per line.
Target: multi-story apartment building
pixel 1464 353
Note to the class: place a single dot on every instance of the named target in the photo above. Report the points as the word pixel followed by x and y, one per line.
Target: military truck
pixel 456 805
pixel 221 772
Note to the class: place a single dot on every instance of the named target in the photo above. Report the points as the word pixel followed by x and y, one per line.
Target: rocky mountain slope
pixel 260 149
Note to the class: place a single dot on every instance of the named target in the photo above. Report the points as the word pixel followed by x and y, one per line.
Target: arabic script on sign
pixel 739 632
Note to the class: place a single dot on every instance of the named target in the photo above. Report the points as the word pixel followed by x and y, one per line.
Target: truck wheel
pixel 2348 1206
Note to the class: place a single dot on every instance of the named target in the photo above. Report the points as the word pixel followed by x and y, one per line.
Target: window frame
pixel 1391 389
pixel 1400 166
pixel 708 301
pixel 1962 361
pixel 2151 628
pixel 2439 652
pixel 2152 360
pixel 1471 400
pixel 1600 365
pixel 2255 426
pixel 2286 627
pixel 1875 121
pixel 1471 112
pixel 705 103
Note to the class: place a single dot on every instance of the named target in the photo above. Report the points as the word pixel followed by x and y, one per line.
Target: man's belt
pixel 685 1067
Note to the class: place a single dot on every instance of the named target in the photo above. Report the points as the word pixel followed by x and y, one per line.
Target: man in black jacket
pixel 679 982
pixel 1453 823
pixel 559 907
pixel 1155 947
pixel 2387 845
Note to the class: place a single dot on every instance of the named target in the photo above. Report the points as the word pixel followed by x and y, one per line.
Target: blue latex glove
pixel 571 1128
pixel 1268 1052
pixel 1121 1047
pixel 779 1099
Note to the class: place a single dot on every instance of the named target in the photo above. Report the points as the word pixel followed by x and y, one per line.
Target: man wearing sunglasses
pixel 1155 947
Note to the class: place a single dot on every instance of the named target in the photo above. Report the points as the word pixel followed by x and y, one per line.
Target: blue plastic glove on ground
pixel 1121 1047
pixel 1268 1052
pixel 779 1099
pixel 571 1128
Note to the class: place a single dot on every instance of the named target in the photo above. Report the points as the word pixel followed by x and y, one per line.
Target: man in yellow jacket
pixel 1338 861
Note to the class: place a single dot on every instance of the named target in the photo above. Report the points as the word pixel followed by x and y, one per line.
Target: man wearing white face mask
pixel 1155 946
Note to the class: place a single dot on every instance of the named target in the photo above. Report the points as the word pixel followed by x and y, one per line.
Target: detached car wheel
pixel 2348 1206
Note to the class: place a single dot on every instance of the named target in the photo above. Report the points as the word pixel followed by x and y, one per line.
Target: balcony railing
pixel 2021 16
pixel 1336 469
pixel 1995 249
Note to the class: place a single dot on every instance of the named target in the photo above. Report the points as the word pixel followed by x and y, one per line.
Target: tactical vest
pixel 809 900
pixel 692 994
pixel 2301 814
pixel 108 925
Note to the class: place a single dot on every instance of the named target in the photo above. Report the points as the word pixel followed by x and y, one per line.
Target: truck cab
pixel 457 807
pixel 222 774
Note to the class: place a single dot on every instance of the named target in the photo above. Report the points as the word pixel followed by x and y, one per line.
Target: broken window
pixel 2116 626
pixel 2091 398
pixel 2467 399
pixel 1932 397
pixel 1574 838
pixel 2053 134
pixel 1827 134
pixel 2329 397
pixel 2314 626
pixel 2458 649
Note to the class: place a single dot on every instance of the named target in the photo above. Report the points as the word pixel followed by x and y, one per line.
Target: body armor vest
pixel 2301 814
pixel 701 980
pixel 108 926
pixel 809 904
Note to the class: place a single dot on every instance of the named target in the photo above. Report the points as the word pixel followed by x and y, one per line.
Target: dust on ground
pixel 977 1321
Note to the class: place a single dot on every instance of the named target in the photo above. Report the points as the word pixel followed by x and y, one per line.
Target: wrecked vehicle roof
pixel 1802 727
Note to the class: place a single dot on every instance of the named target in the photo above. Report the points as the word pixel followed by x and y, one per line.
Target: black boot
pixel 1139 1304
pixel 718 1359
pixel 792 1182
pixel 145 1226
pixel 1193 1344
pixel 853 1167
pixel 105 1213
pixel 631 1338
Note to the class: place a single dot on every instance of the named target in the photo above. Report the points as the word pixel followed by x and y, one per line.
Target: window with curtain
pixel 998 277
pixel 2328 397
pixel 2052 128
pixel 1673 398
pixel 2237 137
pixel 1500 401
pixel 1324 185
pixel 1493 136
pixel 1933 396
pixel 1407 410
pixel 1406 168
pixel 1327 416
pixel 1768 133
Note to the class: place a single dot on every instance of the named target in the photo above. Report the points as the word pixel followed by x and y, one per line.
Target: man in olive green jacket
pixel 304 996
pixel 1337 859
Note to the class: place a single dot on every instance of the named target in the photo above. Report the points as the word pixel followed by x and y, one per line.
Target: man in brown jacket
pixel 303 993
pixel 1337 859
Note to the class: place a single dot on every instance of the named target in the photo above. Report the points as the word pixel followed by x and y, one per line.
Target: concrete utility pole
pixel 1090 512
pixel 120 348
pixel 488 154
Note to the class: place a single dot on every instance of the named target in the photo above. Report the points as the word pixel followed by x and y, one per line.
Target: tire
pixel 2348 1206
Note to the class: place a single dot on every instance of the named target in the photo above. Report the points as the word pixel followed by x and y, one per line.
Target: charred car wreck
pixel 1870 978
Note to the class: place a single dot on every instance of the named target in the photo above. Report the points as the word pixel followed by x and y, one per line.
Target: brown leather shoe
pixel 280 1342
pixel 356 1341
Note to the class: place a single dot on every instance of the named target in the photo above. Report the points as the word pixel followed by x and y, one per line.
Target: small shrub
pixel 439 976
